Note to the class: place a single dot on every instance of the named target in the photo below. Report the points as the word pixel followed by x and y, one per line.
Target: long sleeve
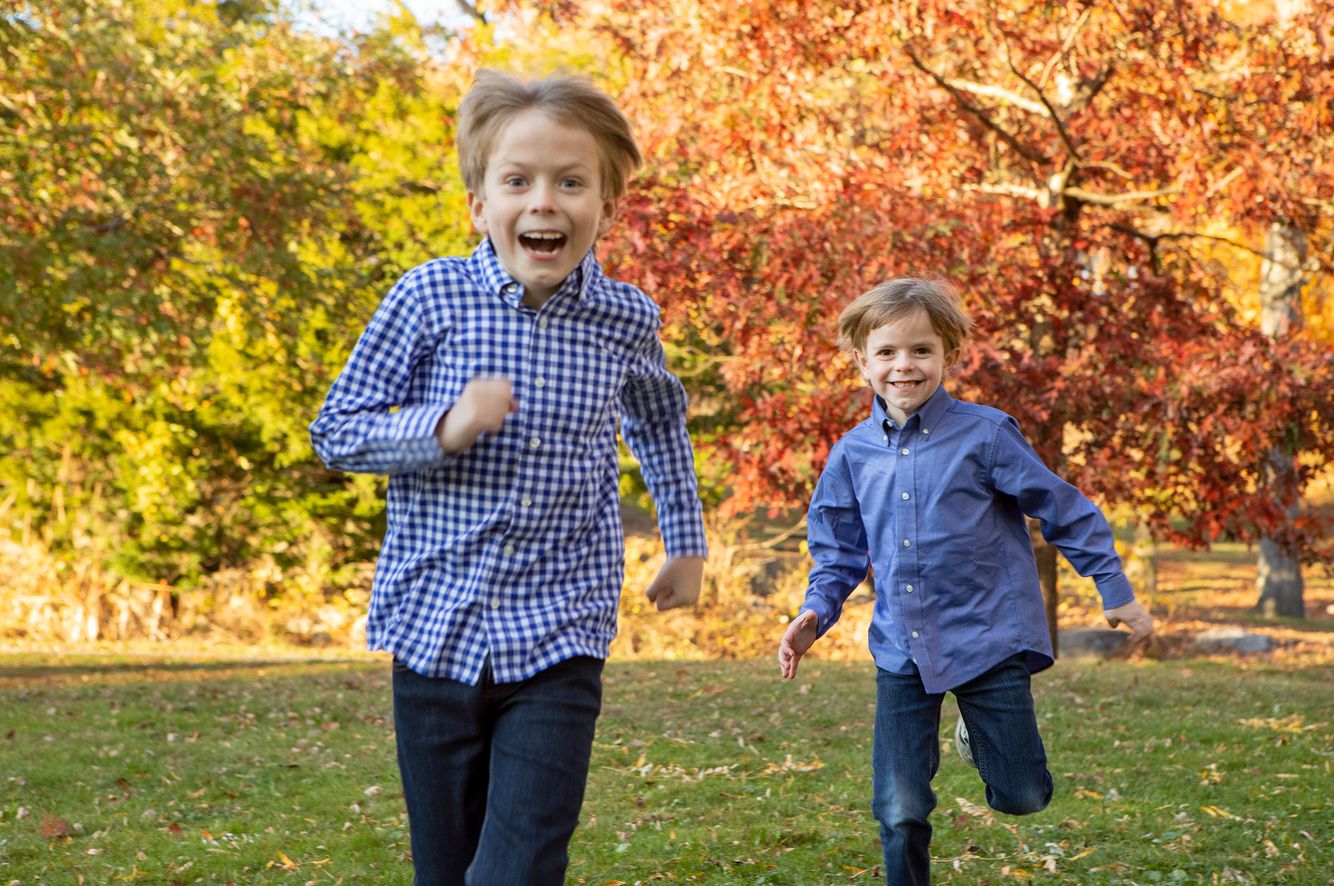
pixel 837 541
pixel 653 423
pixel 367 423
pixel 1075 525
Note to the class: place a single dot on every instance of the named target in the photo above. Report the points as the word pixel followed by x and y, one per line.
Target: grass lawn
pixel 160 770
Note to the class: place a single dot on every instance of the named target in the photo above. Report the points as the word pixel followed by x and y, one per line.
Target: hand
pixel 1136 618
pixel 481 408
pixel 797 641
pixel 677 582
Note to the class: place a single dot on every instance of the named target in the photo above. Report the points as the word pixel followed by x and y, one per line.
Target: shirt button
pixel 904 496
pixel 910 589
pixel 887 438
pixel 926 431
pixel 509 550
pixel 543 323
pixel 495 602
pixel 907 543
pixel 526 502
pixel 511 287
pixel 534 442
pixel 540 382
pixel 914 634
pixel 903 451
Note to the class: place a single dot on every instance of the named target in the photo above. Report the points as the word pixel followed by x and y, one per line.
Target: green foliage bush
pixel 200 215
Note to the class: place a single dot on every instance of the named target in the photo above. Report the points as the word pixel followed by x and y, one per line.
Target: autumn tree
pixel 1061 162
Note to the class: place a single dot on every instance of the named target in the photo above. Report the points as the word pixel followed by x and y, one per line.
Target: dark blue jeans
pixel 997 708
pixel 494 774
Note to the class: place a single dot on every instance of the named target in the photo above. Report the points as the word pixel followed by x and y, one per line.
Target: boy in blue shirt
pixel 932 493
pixel 490 388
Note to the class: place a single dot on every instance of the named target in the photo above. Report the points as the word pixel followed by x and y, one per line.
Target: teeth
pixel 545 235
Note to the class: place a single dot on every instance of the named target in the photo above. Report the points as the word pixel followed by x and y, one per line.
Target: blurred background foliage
pixel 202 203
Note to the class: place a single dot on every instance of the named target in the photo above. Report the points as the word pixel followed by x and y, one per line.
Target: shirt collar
pixel 932 411
pixel 581 283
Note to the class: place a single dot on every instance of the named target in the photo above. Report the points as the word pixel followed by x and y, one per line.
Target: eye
pixel 924 352
pixel 515 181
pixel 571 183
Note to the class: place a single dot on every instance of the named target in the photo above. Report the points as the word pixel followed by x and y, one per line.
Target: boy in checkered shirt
pixel 489 388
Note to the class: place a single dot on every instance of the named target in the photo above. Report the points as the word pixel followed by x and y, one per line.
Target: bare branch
pixel 471 9
pixel 1110 167
pixel 1066 43
pixel 1038 195
pixel 1051 112
pixel 998 92
pixel 775 541
pixel 1030 154
pixel 1154 239
pixel 1085 196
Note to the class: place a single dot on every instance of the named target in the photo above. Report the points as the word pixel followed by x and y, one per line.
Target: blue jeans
pixel 997 708
pixel 494 774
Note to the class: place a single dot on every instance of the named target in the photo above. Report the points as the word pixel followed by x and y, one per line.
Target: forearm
pixel 379 441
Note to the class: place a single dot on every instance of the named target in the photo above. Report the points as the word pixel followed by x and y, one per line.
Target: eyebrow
pixel 525 165
pixel 924 343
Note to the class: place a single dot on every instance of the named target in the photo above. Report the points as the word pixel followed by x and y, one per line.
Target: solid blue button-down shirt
pixel 512 548
pixel 935 509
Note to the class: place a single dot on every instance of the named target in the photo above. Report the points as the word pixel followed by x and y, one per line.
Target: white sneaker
pixel 962 744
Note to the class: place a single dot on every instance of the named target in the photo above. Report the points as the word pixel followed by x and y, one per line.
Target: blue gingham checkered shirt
pixel 512 548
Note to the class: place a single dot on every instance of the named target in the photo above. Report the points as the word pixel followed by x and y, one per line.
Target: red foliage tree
pixel 1062 162
pixel 1065 163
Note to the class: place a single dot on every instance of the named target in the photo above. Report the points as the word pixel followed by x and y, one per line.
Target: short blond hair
pixel 497 98
pixel 895 299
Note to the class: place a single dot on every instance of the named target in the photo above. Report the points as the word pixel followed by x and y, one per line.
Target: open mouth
pixel 542 242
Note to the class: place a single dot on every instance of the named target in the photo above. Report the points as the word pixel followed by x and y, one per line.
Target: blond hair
pixel 497 98
pixel 895 299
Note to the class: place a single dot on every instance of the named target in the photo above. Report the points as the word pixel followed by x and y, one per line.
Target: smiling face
pixel 905 361
pixel 542 201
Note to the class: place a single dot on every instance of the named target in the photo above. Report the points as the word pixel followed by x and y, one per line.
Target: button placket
pixel 906 480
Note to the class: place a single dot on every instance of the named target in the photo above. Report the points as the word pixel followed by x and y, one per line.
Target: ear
pixel 952 358
pixel 860 359
pixel 608 216
pixel 477 210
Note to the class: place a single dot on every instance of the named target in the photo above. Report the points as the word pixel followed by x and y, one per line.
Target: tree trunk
pixel 1045 555
pixel 1279 580
pixel 1278 573
pixel 1142 564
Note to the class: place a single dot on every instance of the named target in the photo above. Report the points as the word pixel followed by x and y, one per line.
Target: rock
pixel 1090 643
pixel 1232 640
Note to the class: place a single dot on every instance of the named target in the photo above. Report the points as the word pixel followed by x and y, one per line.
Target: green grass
pixel 141 770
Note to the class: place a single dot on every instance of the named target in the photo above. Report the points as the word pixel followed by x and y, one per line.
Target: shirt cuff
pixel 414 432
pixel 683 534
pixel 1115 590
pixel 823 620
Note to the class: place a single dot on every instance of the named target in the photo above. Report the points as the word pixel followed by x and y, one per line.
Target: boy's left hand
pixel 677 583
pixel 1134 617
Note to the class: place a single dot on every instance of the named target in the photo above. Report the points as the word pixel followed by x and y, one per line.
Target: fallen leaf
pixel 53 827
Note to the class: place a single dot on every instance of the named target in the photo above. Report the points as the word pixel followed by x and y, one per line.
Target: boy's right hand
pixel 797 641
pixel 480 409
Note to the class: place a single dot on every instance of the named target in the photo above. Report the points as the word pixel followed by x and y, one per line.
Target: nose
pixel 542 197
